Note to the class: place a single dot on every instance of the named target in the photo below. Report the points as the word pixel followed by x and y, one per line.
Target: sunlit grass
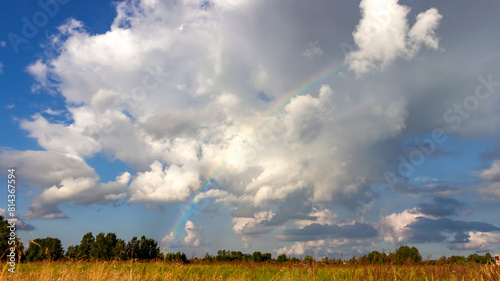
pixel 123 271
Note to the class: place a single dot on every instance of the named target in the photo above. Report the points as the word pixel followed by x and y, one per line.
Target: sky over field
pixel 277 126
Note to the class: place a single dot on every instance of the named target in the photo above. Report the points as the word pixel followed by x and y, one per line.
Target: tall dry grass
pixel 125 271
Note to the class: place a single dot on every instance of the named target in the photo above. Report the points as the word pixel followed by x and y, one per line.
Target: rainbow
pixel 313 81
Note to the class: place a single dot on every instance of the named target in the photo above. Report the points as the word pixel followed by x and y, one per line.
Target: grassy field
pixel 124 271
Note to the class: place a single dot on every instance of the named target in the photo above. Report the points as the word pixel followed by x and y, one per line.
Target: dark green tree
pixel 282 258
pixel 45 249
pixel 223 255
pixel 133 248
pixel 176 257
pixel 120 250
pixel 6 244
pixel 103 246
pixel 308 259
pixel 86 246
pixel 148 249
pixel 236 256
pixel 257 256
pixel 460 260
pixel 4 238
pixel 407 254
pixel 267 257
pixel 72 252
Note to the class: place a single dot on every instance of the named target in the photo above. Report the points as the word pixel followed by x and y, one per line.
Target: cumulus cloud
pixel 383 34
pixel 250 227
pixel 444 229
pixel 195 236
pixel 40 72
pixel 394 227
pixel 412 226
pixel 172 184
pixel 324 217
pixel 491 186
pixel 182 92
pixel 493 173
pixel 170 240
pixel 326 247
pixel 60 138
pixel 83 191
pixel 478 241
pixel 41 169
pixel 175 103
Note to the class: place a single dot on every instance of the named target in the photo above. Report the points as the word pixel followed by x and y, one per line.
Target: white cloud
pixel 3 44
pixel 83 191
pixel 394 227
pixel 172 184
pixel 69 139
pixel 250 227
pixel 322 247
pixel 170 240
pixel 297 249
pixel 41 169
pixel 195 236
pixel 1 67
pixel 479 241
pixel 86 190
pixel 493 173
pixel 491 186
pixel 325 217
pixel 49 111
pixel 39 71
pixel 491 191
pixel 383 35
pixel 221 196
pixel 175 104
pixel 423 31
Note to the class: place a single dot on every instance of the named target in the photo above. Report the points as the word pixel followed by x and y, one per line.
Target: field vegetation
pixel 124 271
pixel 106 257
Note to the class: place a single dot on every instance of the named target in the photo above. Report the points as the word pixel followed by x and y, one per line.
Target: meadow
pixel 125 271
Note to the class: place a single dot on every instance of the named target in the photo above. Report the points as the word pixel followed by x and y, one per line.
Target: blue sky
pixel 253 125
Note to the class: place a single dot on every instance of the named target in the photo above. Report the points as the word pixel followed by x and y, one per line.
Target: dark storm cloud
pixel 428 230
pixel 441 207
pixel 402 185
pixel 490 155
pixel 295 207
pixel 264 97
pixel 319 231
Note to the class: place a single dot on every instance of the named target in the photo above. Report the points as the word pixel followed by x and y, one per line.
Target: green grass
pixel 125 271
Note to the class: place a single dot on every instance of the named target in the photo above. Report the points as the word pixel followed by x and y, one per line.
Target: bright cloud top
pixel 383 34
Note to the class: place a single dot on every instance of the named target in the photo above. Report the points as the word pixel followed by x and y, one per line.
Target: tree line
pixel 407 255
pixel 105 247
